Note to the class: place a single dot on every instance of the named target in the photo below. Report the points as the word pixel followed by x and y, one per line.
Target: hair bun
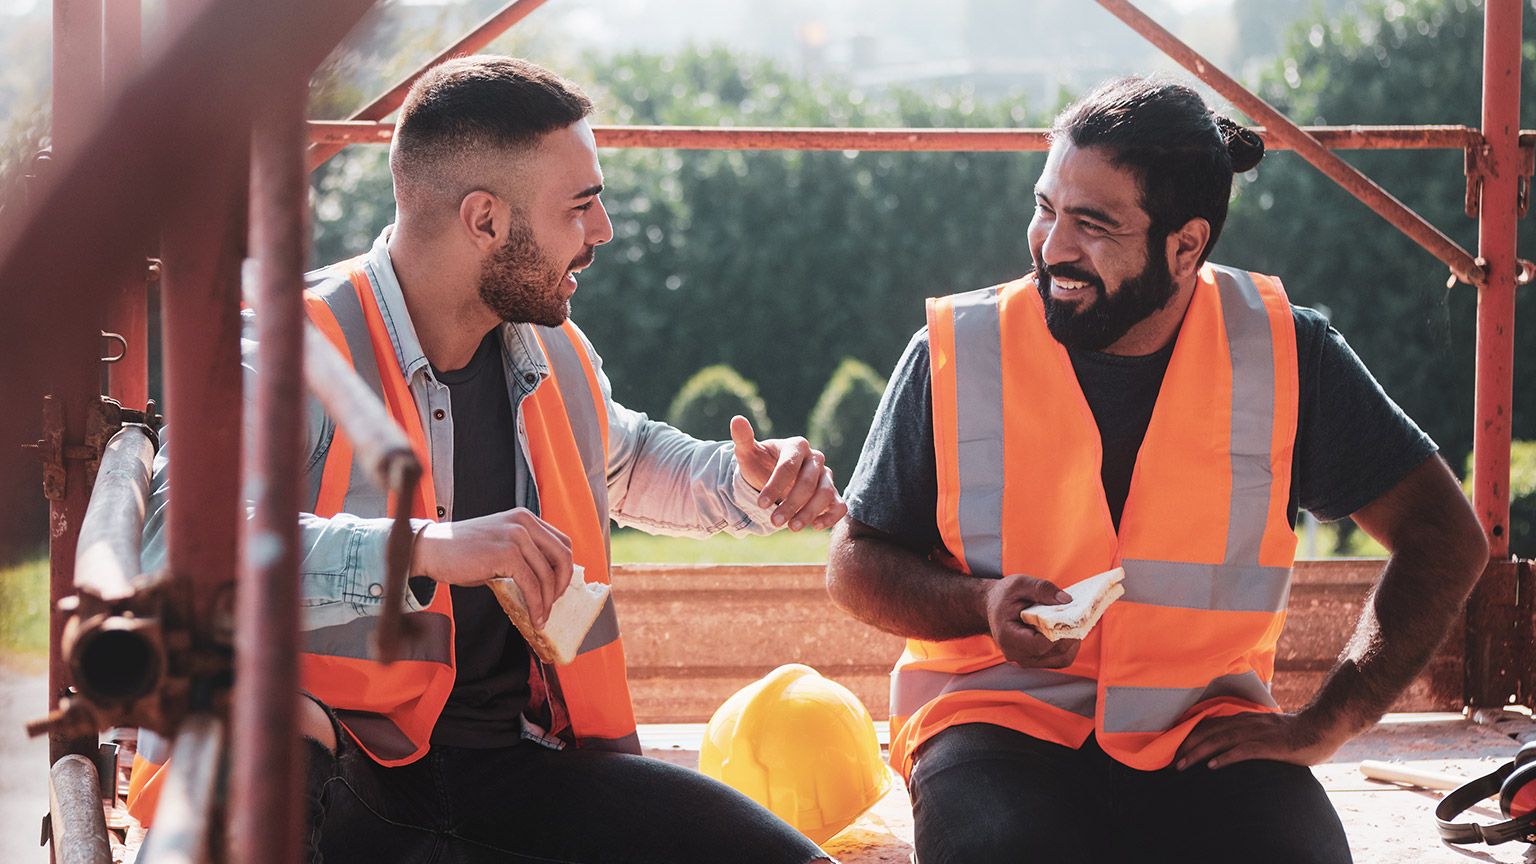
pixel 1244 145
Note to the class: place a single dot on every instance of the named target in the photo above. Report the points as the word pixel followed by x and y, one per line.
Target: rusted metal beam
pixel 971 140
pixel 1280 128
pixel 79 825
pixel 200 313
pixel 482 35
pixel 1499 163
pixel 74 378
pixel 128 316
pixel 266 770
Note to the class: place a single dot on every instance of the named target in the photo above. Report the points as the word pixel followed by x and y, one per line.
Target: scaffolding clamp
pixel 105 418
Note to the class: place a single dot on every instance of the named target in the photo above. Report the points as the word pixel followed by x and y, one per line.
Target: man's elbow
pixel 841 570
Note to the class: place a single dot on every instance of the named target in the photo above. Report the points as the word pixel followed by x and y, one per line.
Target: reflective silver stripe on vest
pixel 378 733
pixel 570 375
pixel 352 639
pixel 979 428
pixel 363 497
pixel 1157 709
pixel 605 628
pixel 628 744
pixel 1252 352
pixel 1218 587
pixel 911 689
pixel 152 747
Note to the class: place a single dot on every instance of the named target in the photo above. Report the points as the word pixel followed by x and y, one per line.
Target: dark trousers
pixel 982 793
pixel 526 803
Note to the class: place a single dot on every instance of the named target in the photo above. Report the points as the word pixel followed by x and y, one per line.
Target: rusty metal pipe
pixel 1309 148
pixel 482 35
pixel 188 802
pixel 107 555
pixel 75 814
pixel 265 794
pixel 1499 164
pixel 970 140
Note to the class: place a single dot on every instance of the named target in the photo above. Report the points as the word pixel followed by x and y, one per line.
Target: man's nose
pixel 1059 244
pixel 599 230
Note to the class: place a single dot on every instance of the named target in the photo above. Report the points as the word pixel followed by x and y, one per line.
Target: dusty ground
pixel 1387 824
pixel 23 760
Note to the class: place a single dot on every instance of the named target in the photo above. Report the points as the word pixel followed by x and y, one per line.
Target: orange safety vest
pixel 1205 537
pixel 390 710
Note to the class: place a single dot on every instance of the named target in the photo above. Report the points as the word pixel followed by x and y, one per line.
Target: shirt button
pixel 375 590
pixel 439 414
pixel 529 377
pixel 441 512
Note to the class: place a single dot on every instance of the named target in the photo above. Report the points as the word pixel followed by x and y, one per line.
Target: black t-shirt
pixel 490 688
pixel 1352 443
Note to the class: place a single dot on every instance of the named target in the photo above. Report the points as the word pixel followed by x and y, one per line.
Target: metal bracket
pixel 1527 168
pixel 105 418
pixel 1477 155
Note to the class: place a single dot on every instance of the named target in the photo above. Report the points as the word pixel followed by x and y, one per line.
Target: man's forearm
pixel 1438 551
pixel 888 586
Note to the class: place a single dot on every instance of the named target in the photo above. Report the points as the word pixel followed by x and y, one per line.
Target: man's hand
pixel 789 472
pixel 512 543
pixel 1021 643
pixel 1221 741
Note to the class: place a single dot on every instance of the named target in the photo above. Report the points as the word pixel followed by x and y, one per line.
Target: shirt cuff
pixel 746 500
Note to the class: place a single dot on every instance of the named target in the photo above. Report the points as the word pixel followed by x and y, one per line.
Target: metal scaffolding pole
pixel 75 379
pixel 265 795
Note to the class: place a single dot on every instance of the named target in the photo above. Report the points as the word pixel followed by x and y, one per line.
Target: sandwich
pixel 572 615
pixel 1073 620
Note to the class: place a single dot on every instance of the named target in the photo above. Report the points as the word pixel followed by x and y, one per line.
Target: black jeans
pixel 527 803
pixel 983 793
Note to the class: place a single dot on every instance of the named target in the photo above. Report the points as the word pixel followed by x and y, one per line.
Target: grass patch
pixel 24 608
pixel 785 547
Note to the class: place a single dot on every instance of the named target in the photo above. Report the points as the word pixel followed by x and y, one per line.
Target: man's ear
pixel 481 221
pixel 1185 245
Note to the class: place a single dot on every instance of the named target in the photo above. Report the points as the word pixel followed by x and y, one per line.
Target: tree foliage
pixel 840 421
pixel 780 263
pixel 1410 61
pixel 706 404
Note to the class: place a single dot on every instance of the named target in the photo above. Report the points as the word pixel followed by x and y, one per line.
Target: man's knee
pixel 315 724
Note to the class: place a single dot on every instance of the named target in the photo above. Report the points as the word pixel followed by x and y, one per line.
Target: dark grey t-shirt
pixel 490 687
pixel 1352 443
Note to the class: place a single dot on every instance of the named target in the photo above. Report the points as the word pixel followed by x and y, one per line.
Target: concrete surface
pixel 23 760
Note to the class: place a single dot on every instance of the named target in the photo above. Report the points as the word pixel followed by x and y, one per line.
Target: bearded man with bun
pixel 1130 404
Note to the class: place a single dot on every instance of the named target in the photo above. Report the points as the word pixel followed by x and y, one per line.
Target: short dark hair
pixel 1183 153
pixel 479 104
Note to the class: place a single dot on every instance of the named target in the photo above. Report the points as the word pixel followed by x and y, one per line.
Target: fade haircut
pixel 473 115
pixel 1182 153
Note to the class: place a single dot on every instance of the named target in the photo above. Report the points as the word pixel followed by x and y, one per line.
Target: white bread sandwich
pixel 1090 598
pixel 569 619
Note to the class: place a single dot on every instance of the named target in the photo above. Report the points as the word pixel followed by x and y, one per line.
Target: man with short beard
pixel 1131 405
pixel 470 748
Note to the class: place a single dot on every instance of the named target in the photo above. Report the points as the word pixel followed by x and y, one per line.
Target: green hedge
pixel 840 421
pixel 708 401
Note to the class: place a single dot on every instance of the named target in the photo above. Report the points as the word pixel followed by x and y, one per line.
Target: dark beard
pixel 1106 317
pixel 520 284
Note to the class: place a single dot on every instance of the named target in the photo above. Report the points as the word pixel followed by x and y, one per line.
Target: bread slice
pixel 570 618
pixel 1090 598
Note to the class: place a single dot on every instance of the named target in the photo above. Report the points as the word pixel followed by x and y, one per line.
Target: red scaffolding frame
pixel 230 89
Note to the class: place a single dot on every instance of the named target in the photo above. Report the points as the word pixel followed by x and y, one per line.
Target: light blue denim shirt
pixel 659 479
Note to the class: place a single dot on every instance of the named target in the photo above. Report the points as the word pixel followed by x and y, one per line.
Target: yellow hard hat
pixel 800 745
